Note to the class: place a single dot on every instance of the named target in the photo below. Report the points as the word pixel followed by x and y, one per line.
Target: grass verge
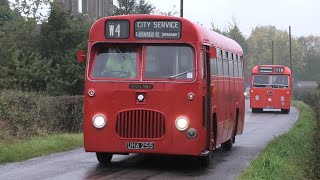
pixel 288 156
pixel 20 150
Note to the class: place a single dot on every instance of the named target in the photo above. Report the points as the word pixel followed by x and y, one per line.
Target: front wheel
pixel 285 111
pixel 104 158
pixel 205 160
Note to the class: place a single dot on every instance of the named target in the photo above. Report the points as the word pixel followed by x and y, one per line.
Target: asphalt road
pixel 259 129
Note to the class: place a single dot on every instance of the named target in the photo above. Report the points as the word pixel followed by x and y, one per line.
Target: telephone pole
pixel 181 8
pixel 272 52
pixel 290 50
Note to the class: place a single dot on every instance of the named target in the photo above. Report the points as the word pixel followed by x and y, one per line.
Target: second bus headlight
pixel 182 123
pixel 99 121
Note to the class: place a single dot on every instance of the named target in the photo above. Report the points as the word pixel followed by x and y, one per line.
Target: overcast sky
pixel 301 15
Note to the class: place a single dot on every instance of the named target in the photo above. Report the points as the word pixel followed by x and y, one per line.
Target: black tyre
pixel 205 160
pixel 227 146
pixel 104 158
pixel 285 111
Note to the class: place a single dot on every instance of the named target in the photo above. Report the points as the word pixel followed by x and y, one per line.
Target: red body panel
pixel 270 98
pixel 160 98
pixel 165 101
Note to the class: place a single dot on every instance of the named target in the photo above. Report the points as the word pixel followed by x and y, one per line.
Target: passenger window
pixel 203 59
pixel 213 66
pixel 240 69
pixel 236 72
pixel 220 67
pixel 224 55
pixel 219 53
pixel 225 67
pixel 230 68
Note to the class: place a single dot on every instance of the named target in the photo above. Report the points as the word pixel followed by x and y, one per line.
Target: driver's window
pixel 115 63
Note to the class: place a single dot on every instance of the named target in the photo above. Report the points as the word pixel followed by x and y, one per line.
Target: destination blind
pixel 165 29
pixel 117 29
pixel 265 69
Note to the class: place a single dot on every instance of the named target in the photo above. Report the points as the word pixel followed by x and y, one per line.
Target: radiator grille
pixel 140 124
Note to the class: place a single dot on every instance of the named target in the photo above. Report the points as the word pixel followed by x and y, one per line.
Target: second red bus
pixel 270 88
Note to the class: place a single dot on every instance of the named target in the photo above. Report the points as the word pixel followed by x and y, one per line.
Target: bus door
pixel 206 76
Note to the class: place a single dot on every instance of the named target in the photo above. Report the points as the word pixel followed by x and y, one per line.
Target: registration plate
pixel 140 145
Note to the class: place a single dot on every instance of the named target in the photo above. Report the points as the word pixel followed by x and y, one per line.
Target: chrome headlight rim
pixel 99 121
pixel 182 123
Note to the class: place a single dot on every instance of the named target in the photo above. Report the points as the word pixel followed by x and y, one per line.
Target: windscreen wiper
pixel 180 74
pixel 121 53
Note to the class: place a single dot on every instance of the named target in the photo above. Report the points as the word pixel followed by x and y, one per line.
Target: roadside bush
pixel 306 95
pixel 312 97
pixel 24 114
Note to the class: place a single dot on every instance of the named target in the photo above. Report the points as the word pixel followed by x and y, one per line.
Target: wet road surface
pixel 259 129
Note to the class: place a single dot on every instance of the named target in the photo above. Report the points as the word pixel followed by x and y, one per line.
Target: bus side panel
pixel 220 108
pixel 227 102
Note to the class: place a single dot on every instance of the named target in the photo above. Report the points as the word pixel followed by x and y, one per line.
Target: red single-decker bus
pixel 160 85
pixel 271 88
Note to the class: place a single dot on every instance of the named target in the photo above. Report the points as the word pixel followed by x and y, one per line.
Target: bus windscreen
pixel 169 62
pixel 274 81
pixel 115 62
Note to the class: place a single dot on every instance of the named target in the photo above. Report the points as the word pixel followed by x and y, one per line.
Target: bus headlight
pixel 182 123
pixel 282 98
pixel 99 121
pixel 257 97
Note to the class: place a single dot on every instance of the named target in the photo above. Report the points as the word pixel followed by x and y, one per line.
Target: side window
pixel 224 54
pixel 219 53
pixel 213 62
pixel 225 67
pixel 236 72
pixel 203 60
pixel 219 64
pixel 240 68
pixel 230 68
pixel 230 55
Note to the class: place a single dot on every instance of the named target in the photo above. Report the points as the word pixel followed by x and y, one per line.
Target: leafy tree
pixel 133 7
pixel 172 12
pixel 124 7
pixel 31 8
pixel 235 34
pixel 144 7
pixel 61 36
pixel 215 28
pixel 260 48
pixel 41 58
pixel 311 47
pixel 5 11
pixel 18 36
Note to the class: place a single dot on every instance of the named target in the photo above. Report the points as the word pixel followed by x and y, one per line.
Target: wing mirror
pixel 80 56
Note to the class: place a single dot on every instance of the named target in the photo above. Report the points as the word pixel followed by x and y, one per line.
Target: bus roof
pixel 270 69
pixel 190 33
